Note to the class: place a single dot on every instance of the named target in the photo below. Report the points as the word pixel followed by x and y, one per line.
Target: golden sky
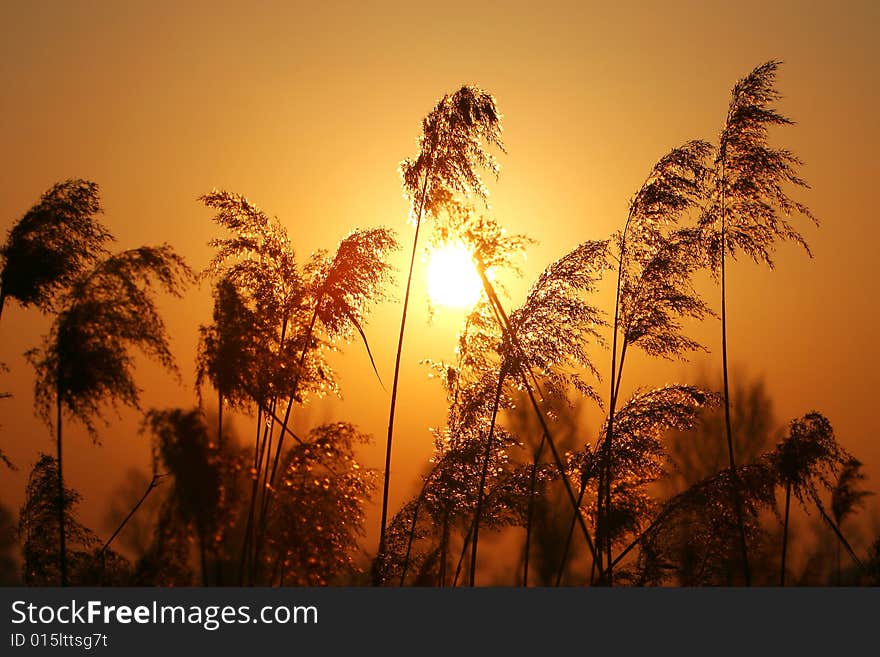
pixel 307 108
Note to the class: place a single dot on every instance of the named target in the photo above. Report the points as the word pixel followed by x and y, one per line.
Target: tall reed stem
pixel 380 555
pixel 295 389
pixel 785 534
pixel 504 322
pixel 533 479
pixel 840 536
pixel 603 502
pixel 153 483
pixel 838 564
pixel 245 548
pixel 412 527
pixel 62 553
pixel 269 476
pixel 734 475
pixel 219 420
pixel 614 385
pixel 259 521
pixel 563 562
pixel 464 551
pixel 444 548
pixel 485 469
pixel 250 549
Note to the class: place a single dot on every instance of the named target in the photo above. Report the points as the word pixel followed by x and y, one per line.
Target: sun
pixel 453 279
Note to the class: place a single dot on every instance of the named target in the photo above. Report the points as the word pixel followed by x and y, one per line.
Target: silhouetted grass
pixel 291 510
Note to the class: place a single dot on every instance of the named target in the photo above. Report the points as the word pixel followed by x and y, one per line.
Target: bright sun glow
pixel 452 276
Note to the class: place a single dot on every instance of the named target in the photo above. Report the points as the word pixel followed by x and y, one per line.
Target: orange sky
pixel 307 110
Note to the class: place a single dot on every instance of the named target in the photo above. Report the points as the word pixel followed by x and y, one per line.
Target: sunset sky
pixel 307 109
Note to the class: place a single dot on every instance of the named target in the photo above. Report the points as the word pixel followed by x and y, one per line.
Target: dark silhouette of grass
pixel 294 506
pixel 84 361
pixel 748 210
pixel 452 150
pixel 273 321
pixel 53 245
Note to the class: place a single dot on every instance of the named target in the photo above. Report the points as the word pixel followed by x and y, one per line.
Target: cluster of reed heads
pixel 290 509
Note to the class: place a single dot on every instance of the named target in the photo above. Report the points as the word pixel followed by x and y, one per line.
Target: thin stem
pixel 734 476
pixel 444 544
pixel 504 321
pixel 259 525
pixel 483 472
pixel 660 517
pixel 153 483
pixel 259 491
pixel 380 555
pixel 620 370
pixel 295 389
pixel 785 534
pixel 424 489
pixel 264 487
pixel 286 430
pixel 219 420
pixel 270 477
pixel 533 479
pixel 638 539
pixel 464 551
pixel 62 554
pixel 838 564
pixel 412 528
pixel 570 536
pixel 840 536
pixel 604 505
pixel 245 548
